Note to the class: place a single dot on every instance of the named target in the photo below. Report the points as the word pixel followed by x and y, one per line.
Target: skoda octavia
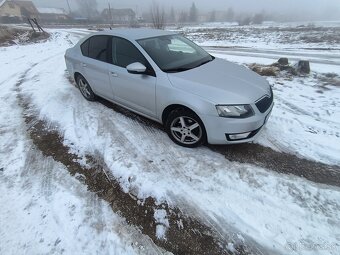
pixel 167 78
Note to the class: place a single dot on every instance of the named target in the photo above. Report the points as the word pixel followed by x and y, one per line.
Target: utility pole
pixel 69 7
pixel 110 13
pixel 137 17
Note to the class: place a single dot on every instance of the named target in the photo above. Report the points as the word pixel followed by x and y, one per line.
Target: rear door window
pixel 85 48
pixel 99 48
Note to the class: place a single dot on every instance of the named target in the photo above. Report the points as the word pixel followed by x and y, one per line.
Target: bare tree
pixel 157 16
pixel 258 18
pixel 183 17
pixel 244 21
pixel 193 13
pixel 212 17
pixel 88 8
pixel 230 14
pixel 146 16
pixel 172 15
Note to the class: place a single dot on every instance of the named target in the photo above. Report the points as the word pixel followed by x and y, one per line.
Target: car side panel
pixel 97 74
pixel 72 60
pixel 135 91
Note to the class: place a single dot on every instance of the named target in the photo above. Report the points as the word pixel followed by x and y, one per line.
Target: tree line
pixel 194 15
pixel 159 16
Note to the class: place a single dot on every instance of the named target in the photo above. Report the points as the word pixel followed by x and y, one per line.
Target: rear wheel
pixel 185 128
pixel 85 88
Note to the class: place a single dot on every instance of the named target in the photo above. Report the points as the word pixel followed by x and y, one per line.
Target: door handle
pixel 83 65
pixel 113 74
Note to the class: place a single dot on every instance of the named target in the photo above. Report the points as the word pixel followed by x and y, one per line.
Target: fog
pixel 296 9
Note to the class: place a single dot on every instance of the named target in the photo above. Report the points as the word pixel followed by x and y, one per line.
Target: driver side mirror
pixel 136 68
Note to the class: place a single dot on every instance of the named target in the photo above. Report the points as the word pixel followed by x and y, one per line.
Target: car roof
pixel 135 33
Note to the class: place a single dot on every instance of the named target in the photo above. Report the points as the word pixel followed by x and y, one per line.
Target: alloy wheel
pixel 186 130
pixel 84 88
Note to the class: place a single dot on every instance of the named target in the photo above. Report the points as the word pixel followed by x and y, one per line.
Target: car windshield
pixel 175 53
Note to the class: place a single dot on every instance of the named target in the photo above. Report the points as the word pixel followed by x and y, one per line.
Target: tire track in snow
pixel 309 128
pixel 130 151
pixel 281 162
pixel 252 153
pixel 296 109
pixel 122 137
pixel 191 241
pixel 193 238
pixel 45 213
pixel 288 164
pixel 33 184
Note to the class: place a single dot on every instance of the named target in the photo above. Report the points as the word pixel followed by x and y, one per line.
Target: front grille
pixel 264 103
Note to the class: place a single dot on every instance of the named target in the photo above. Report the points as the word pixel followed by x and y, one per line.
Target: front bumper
pixel 221 130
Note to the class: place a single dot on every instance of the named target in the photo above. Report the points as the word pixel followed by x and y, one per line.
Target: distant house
pixel 118 15
pixel 52 14
pixel 28 9
pixel 17 11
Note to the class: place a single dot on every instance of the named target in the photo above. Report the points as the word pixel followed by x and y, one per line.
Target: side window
pixel 125 53
pixel 99 48
pixel 85 48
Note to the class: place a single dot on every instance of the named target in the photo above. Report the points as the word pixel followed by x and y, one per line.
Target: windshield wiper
pixel 176 70
pixel 204 62
pixel 181 69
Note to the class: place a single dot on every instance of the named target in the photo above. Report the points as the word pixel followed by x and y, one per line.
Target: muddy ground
pixel 10 36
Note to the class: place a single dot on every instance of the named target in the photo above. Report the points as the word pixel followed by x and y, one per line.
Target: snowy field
pixel 48 211
pixel 319 35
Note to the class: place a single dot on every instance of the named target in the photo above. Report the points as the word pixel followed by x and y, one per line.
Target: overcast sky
pixel 326 8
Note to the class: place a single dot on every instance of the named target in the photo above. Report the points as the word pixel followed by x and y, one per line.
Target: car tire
pixel 85 88
pixel 185 128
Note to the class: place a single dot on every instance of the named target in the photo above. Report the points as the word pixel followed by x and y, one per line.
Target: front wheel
pixel 185 128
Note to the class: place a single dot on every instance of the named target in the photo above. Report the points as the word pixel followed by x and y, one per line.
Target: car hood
pixel 222 82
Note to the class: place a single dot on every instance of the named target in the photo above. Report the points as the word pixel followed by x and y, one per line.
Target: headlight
pixel 235 111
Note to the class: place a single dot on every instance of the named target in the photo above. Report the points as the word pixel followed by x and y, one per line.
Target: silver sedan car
pixel 167 78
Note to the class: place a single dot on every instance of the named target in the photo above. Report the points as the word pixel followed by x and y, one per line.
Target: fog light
pixel 238 136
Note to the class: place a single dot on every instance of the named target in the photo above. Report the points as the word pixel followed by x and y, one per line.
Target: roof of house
pixel 28 5
pixel 119 12
pixel 52 11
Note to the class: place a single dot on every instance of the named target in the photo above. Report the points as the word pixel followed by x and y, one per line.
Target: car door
pixel 96 64
pixel 135 91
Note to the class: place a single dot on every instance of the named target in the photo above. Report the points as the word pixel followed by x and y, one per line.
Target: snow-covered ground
pixel 285 214
pixel 44 210
pixel 317 35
